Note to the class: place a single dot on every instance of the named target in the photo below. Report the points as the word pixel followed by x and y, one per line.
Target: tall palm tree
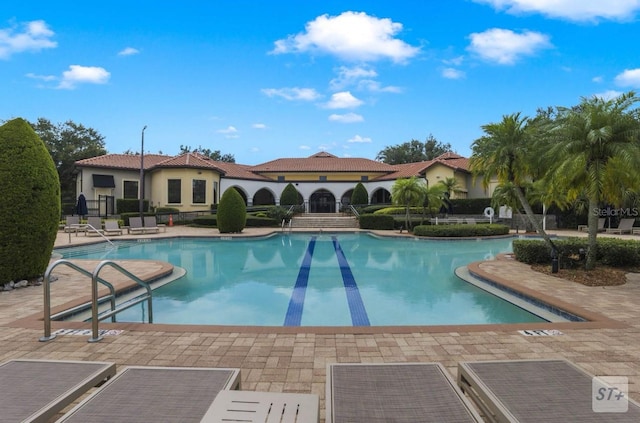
pixel 597 153
pixel 408 192
pixel 452 185
pixel 506 152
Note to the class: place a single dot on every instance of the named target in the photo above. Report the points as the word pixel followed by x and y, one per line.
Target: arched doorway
pixel 322 201
pixel 242 194
pixel 381 196
pixel 346 198
pixel 263 197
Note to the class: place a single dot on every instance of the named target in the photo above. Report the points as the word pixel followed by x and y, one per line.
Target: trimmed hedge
pixel 360 196
pixel 206 220
pixel 398 210
pixel 232 212
pixel 611 252
pixel 470 205
pixel 261 221
pixel 29 202
pixel 460 230
pixel 375 221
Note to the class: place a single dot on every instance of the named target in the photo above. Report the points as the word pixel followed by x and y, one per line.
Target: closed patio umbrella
pixel 81 206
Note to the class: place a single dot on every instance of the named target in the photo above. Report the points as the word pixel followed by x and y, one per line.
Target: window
pixel 280 178
pixel 215 192
pixel 364 178
pixel 323 178
pixel 130 189
pixel 174 192
pixel 199 191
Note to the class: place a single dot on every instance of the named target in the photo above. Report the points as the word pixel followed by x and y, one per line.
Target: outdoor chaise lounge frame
pixel 36 390
pixel 601 228
pixel 535 391
pixel 111 227
pixel 155 394
pixel 625 226
pixel 399 392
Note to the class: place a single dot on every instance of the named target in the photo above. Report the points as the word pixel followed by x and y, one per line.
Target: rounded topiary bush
pixel 289 196
pixel 29 202
pixel 360 195
pixel 232 212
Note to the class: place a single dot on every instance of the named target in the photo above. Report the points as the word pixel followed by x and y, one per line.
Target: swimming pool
pixel 316 280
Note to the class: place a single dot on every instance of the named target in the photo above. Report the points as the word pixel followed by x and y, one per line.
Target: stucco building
pixel 193 182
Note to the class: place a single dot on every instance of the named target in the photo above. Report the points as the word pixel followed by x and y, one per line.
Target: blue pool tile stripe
pixel 296 302
pixel 359 315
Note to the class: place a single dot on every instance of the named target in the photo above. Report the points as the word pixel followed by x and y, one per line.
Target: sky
pixel 263 80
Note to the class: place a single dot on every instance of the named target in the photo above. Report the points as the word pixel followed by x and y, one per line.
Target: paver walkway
pixel 296 362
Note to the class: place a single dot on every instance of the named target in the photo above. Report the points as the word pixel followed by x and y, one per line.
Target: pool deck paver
pixel 281 361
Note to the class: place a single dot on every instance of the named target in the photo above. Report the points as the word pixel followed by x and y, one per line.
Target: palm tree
pixel 408 192
pixel 597 153
pixel 434 200
pixel 506 152
pixel 452 185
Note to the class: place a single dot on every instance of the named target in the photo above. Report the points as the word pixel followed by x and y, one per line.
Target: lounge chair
pixel 73 225
pixel 111 227
pixel 36 390
pixel 535 391
pixel 154 394
pixel 151 224
pixel 94 225
pixel 402 393
pixel 585 228
pixel 135 225
pixel 624 227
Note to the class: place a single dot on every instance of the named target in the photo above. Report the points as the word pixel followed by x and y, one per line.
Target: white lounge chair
pixel 624 227
pixel 401 393
pixel 535 391
pixel 37 390
pixel 151 224
pixel 94 226
pixel 111 227
pixel 135 225
pixel 154 394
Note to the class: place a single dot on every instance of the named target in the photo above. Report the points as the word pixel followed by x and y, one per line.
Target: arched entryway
pixel 263 197
pixel 381 196
pixel 322 201
pixel 242 194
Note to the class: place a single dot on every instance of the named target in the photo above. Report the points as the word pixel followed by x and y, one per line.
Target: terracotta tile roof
pixel 123 161
pixel 323 162
pixel 406 170
pixel 238 171
pixel 190 160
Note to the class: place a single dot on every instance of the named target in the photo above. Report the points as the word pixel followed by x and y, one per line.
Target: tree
pixel 451 186
pixel 506 151
pixel 29 202
pixel 408 192
pixel 434 199
pixel 232 212
pixel 413 151
pixel 360 196
pixel 213 155
pixel 68 143
pixel 596 154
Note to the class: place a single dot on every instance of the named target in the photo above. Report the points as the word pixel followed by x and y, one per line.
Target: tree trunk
pixel 592 222
pixel 532 218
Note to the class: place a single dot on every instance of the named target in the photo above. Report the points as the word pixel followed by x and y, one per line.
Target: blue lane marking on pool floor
pixel 359 315
pixel 296 303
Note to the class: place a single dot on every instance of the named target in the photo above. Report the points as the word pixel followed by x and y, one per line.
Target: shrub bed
pixel 611 252
pixel 376 221
pixel 460 230
pixel 206 220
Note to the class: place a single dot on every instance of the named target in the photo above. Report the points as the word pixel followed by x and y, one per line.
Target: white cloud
pixel 343 100
pixel 83 75
pixel 505 47
pixel 351 36
pixel 358 138
pixel 295 93
pixel 128 51
pixel 573 10
pixel 346 118
pixel 350 76
pixel 608 95
pixel 629 78
pixel 304 147
pixel 597 79
pixel 45 78
pixel 259 126
pixel 451 73
pixel 456 61
pixel 229 132
pixel 35 36
pixel 254 149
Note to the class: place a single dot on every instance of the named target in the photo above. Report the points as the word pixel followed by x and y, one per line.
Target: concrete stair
pixel 324 221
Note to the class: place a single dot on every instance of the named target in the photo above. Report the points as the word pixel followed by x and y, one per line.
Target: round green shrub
pixel 232 212
pixel 374 221
pixel 289 196
pixel 460 230
pixel 29 202
pixel 360 195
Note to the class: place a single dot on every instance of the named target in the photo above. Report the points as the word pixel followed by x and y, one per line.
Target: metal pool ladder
pixel 95 301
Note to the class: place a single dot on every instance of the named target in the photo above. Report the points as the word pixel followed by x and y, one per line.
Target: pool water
pixel 316 280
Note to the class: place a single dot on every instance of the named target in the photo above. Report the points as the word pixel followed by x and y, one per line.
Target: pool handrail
pixel 46 286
